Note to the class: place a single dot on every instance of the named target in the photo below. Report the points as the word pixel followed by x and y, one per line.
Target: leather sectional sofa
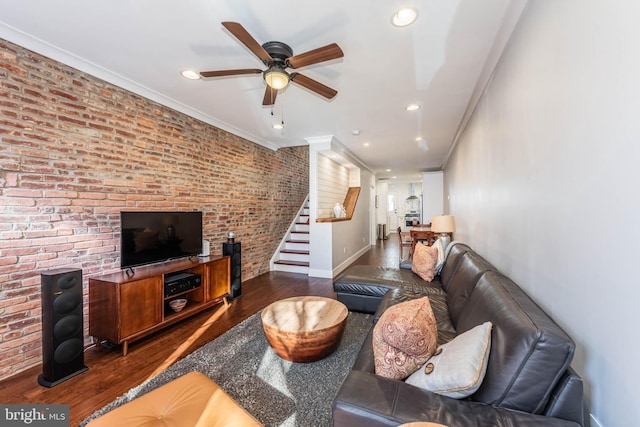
pixel 528 381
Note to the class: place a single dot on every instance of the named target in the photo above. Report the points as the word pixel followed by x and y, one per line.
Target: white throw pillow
pixel 457 368
pixel 440 261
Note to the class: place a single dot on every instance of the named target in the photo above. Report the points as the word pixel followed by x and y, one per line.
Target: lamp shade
pixel 443 224
pixel 276 77
pixel 170 220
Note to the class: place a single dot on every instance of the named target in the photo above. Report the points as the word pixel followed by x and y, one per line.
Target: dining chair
pixel 424 236
pixel 403 243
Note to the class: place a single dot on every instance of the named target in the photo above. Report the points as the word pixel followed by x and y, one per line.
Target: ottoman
pixel 192 400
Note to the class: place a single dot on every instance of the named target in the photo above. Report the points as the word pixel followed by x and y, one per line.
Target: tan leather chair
pixel 192 400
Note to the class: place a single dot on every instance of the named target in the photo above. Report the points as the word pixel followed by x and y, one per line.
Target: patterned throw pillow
pixel 404 338
pixel 458 367
pixel 424 261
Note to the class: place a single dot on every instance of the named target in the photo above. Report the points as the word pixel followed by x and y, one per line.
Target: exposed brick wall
pixel 75 151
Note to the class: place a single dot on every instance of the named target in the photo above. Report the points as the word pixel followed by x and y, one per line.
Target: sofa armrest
pixel 365 399
pixel 567 398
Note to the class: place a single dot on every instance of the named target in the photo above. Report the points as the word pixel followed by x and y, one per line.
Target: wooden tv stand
pixel 124 307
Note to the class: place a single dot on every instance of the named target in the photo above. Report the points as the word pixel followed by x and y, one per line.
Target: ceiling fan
pixel 278 56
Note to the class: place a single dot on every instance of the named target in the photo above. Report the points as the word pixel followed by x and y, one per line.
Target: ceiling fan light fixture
pixel 276 78
pixel 190 74
pixel 404 16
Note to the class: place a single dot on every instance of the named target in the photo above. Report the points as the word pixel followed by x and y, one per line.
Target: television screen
pixel 148 237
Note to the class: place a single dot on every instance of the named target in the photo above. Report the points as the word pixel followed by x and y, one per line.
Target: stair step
pixel 291 268
pixel 298 263
pixel 294 251
pixel 294 256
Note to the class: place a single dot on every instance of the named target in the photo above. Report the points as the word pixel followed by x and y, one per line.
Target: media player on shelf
pixel 179 282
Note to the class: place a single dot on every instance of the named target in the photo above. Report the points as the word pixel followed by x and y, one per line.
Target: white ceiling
pixel 441 62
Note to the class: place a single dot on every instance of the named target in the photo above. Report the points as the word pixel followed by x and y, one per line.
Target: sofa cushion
pixel 376 281
pixel 471 267
pixel 452 255
pixel 404 338
pixel 365 399
pixel 458 367
pixel 424 261
pixel 361 287
pixel 530 351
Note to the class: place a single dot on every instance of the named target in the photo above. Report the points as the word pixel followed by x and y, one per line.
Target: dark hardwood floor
pixel 110 374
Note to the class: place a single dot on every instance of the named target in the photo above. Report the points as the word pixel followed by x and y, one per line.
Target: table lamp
pixel 443 224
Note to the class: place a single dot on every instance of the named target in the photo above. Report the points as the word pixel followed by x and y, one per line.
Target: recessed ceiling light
pixel 388 170
pixel 190 74
pixel 419 138
pixel 366 144
pixel 412 107
pixel 405 16
pixel 355 132
pixel 278 126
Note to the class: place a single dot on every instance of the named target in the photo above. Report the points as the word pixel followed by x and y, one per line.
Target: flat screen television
pixel 148 236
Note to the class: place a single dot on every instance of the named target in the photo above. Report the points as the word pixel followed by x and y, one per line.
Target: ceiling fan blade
pixel 321 54
pixel 269 96
pixel 223 73
pixel 313 85
pixel 246 39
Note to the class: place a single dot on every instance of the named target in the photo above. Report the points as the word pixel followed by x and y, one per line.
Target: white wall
pixel 352 238
pixel 333 184
pixel 545 184
pixel 432 202
pixel 334 245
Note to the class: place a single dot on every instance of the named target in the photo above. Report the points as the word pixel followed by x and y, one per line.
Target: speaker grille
pixel 67 302
pixel 68 351
pixel 234 250
pixel 62 326
pixel 67 327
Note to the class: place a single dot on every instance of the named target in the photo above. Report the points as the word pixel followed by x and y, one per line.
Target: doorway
pixel 392 212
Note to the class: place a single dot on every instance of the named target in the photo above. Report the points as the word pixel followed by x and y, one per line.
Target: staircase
pixel 293 254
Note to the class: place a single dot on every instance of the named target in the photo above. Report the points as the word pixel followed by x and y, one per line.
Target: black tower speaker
pixel 233 250
pixel 62 326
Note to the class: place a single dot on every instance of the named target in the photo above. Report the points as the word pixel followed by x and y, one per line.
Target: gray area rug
pixel 275 391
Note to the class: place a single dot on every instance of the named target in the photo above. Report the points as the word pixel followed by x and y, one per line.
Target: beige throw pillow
pixel 458 367
pixel 404 338
pixel 424 261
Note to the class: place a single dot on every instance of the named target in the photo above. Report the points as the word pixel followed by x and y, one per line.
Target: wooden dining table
pixel 421 233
